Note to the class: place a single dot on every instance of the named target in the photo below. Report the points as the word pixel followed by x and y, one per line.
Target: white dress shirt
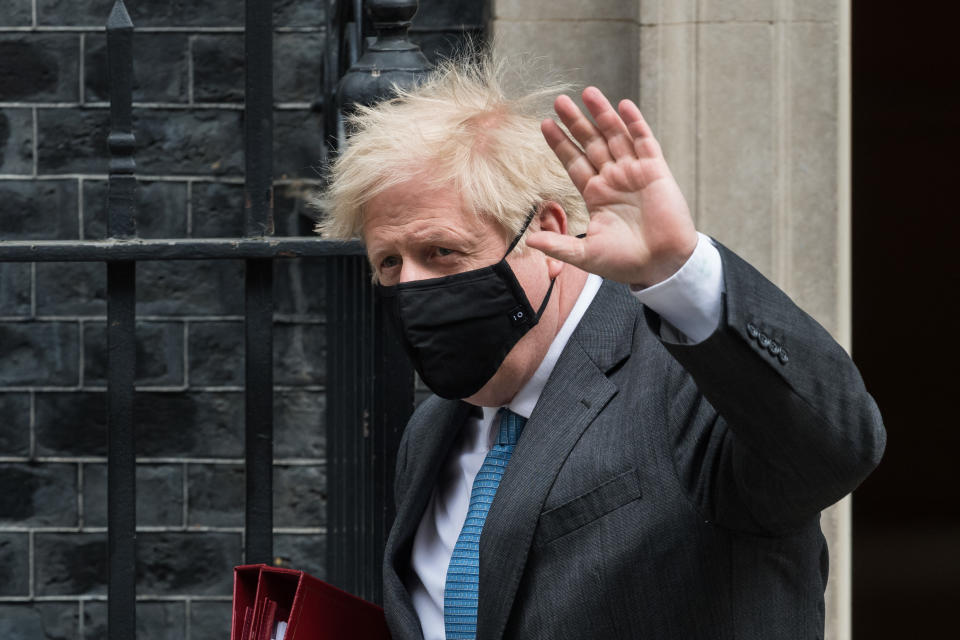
pixel 689 303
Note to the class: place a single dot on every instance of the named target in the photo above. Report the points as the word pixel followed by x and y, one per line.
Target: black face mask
pixel 458 329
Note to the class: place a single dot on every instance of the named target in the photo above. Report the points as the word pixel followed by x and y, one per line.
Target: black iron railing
pixel 370 383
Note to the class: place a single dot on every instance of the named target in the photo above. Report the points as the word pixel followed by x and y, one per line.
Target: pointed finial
pixel 119 18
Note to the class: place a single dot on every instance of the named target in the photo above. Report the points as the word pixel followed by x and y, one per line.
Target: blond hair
pixel 460 127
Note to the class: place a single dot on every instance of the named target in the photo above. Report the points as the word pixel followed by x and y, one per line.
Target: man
pixel 634 432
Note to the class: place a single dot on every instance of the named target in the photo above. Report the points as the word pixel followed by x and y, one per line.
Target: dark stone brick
pixel 217 210
pixel 210 619
pixel 72 140
pixel 193 287
pixel 438 14
pixel 159 68
pixel 298 147
pixel 155 620
pixel 296 13
pixel 303 552
pixel 297 66
pixel 299 354
pixel 216 495
pixel 207 141
pixel 70 564
pixel 199 424
pixel 293 213
pixel 14 289
pixel 300 286
pixel 299 496
pixel 16 141
pixel 161 209
pixel 168 424
pixel 39 67
pixel 159 495
pixel 70 13
pixel 39 621
pixel 71 288
pixel 169 141
pixel 218 64
pixel 39 353
pixel 38 210
pixel 15 425
pixel 46 494
pixel 14 564
pixel 144 13
pixel 216 353
pixel 159 353
pixel 72 424
pixel 299 424
pixel 195 562
pixel 16 13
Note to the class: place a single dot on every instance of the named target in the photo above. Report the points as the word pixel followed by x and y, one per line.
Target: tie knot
pixel 511 425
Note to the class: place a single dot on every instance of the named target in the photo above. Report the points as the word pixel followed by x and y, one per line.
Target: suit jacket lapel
pixel 432 436
pixel 576 392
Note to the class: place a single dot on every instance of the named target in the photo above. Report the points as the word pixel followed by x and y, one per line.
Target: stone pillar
pixel 750 101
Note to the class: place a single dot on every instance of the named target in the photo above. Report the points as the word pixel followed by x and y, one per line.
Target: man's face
pixel 412 233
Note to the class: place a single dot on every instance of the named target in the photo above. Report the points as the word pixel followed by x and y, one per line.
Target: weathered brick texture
pixel 188 121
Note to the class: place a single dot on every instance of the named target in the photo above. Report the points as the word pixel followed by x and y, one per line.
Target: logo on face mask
pixel 458 329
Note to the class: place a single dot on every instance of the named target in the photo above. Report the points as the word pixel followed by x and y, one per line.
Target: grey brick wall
pixel 188 112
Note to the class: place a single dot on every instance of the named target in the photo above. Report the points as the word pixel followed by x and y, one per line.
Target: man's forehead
pixel 424 219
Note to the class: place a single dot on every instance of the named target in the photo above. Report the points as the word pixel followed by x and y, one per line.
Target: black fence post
pixel 370 381
pixel 258 325
pixel 121 340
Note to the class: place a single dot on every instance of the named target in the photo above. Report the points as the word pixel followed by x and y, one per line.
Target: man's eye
pixel 441 251
pixel 389 261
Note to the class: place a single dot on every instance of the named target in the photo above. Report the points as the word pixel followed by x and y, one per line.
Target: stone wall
pixel 189 407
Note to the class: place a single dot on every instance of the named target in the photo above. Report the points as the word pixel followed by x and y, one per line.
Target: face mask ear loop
pixel 546 299
pixel 526 223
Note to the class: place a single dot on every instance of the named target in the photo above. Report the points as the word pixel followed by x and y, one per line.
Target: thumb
pixel 569 249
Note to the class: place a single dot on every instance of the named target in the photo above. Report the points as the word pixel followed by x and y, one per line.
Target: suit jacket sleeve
pixel 788 427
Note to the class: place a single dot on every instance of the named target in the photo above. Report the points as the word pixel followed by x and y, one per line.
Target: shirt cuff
pixel 691 299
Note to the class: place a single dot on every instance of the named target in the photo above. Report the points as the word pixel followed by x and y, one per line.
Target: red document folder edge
pixel 313 609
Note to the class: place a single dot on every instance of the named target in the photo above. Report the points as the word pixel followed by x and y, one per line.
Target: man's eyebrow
pixel 438 236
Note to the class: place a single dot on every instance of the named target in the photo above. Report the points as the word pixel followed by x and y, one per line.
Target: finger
pixel 644 142
pixel 611 125
pixel 578 167
pixel 584 131
pixel 569 249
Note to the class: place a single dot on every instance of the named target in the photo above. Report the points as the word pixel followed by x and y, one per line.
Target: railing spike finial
pixel 119 18
pixel 122 190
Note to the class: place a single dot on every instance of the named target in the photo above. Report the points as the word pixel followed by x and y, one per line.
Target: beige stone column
pixel 750 101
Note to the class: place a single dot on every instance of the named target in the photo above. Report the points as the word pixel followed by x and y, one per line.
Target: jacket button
pixel 764 340
pixel 752 330
pixel 774 348
pixel 783 357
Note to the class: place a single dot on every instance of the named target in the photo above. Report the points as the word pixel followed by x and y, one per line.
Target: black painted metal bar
pixel 258 327
pixel 121 340
pixel 174 249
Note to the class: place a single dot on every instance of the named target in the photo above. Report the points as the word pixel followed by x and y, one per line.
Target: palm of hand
pixel 640 229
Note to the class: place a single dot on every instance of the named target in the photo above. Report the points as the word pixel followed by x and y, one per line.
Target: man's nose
pixel 411 270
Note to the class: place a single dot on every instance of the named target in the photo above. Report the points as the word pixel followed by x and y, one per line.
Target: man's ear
pixel 552 218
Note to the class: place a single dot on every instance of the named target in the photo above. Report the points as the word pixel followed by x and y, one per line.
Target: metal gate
pixel 370 383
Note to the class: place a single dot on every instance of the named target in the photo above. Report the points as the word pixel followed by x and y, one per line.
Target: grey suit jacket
pixel 660 491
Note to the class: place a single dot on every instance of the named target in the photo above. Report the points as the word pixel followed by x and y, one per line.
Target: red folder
pixel 313 610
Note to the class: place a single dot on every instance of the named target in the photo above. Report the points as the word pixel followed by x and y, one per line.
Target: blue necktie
pixel 463 574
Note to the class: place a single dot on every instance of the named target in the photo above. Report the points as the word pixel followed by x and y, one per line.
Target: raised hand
pixel 640 229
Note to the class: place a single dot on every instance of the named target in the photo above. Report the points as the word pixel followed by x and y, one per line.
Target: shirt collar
pixel 526 399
